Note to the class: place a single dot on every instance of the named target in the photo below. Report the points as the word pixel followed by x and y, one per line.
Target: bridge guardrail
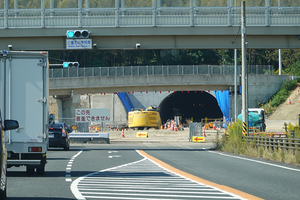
pixel 147 17
pixel 156 70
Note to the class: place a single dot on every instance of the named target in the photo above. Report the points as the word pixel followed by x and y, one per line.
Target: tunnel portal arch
pixel 189 104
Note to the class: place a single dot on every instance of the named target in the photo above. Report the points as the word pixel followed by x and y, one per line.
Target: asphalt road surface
pixel 178 170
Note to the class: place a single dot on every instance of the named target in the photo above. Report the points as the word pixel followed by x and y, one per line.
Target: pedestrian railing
pixel 156 70
pixel 147 17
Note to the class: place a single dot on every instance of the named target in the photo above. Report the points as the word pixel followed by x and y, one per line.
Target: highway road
pixel 153 170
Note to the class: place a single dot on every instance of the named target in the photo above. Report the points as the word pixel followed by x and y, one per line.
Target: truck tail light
pixel 63 133
pixel 34 149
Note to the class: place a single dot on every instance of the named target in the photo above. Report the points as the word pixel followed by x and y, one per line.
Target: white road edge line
pixel 257 161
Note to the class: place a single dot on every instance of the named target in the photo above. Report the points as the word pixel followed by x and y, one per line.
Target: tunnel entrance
pixel 196 105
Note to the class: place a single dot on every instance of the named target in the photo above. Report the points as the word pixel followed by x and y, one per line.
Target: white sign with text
pixel 92 115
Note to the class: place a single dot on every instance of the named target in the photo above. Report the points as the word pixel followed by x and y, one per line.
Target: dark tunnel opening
pixel 196 105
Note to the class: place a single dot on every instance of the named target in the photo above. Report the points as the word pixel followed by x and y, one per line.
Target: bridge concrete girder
pixel 155 38
pixel 84 85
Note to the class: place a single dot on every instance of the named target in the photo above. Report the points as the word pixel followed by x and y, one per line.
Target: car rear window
pixel 55 130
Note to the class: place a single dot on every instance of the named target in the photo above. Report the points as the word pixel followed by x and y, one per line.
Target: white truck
pixel 24 84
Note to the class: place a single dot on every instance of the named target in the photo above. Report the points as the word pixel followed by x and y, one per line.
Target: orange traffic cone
pixel 214 127
pixel 175 127
pixel 122 133
pixel 165 126
pixel 203 131
pixel 290 101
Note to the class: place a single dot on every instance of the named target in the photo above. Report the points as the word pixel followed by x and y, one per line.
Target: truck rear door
pixel 26 98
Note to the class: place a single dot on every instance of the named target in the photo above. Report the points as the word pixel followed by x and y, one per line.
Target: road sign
pixel 141 134
pixel 198 139
pixel 92 115
pixel 79 43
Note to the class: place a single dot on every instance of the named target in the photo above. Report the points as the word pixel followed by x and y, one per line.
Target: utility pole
pixel 235 85
pixel 244 73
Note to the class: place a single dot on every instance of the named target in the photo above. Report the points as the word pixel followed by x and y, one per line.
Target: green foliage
pixel 280 97
pixel 233 142
pixel 295 128
pixel 294 69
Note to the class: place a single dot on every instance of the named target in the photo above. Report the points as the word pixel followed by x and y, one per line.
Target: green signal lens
pixel 65 64
pixel 70 34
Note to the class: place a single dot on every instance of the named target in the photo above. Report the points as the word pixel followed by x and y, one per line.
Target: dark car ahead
pixel 59 136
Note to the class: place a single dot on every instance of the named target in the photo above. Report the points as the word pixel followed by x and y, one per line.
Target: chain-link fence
pixel 93 126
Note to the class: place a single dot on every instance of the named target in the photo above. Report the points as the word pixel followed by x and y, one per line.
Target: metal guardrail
pixel 88 135
pixel 274 142
pixel 147 17
pixel 156 70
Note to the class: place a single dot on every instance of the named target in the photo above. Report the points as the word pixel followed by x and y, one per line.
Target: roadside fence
pixel 273 142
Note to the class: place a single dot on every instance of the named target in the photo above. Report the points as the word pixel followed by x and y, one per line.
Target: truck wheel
pixel 3 194
pixel 30 170
pixel 40 170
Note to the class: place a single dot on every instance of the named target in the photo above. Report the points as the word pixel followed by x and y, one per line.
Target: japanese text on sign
pixel 79 44
pixel 92 115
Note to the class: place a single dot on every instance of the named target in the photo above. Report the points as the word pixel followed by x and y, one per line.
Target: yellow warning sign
pixel 198 139
pixel 141 134
pixel 74 127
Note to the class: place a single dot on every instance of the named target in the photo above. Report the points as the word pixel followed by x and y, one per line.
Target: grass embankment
pixel 280 97
pixel 234 142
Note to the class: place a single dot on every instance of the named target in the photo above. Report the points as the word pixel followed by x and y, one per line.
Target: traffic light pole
pixel 244 73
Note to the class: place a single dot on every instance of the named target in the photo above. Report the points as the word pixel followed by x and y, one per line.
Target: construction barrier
pixel 142 134
pixel 198 139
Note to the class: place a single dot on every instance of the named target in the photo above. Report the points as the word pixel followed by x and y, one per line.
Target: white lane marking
pixel 113 151
pixel 75 183
pixel 69 167
pixel 116 156
pixel 257 161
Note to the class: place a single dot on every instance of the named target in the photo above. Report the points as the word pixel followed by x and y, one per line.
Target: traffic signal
pixel 78 34
pixel 70 64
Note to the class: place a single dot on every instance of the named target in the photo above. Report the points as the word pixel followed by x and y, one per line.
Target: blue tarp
pixel 223 101
pixel 125 100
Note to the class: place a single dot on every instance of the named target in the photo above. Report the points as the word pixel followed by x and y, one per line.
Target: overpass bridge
pixel 147 78
pixel 142 83
pixel 154 27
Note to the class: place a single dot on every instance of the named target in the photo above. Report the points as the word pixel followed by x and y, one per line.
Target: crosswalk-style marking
pixel 143 179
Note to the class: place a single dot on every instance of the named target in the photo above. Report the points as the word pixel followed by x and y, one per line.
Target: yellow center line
pixel 200 180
